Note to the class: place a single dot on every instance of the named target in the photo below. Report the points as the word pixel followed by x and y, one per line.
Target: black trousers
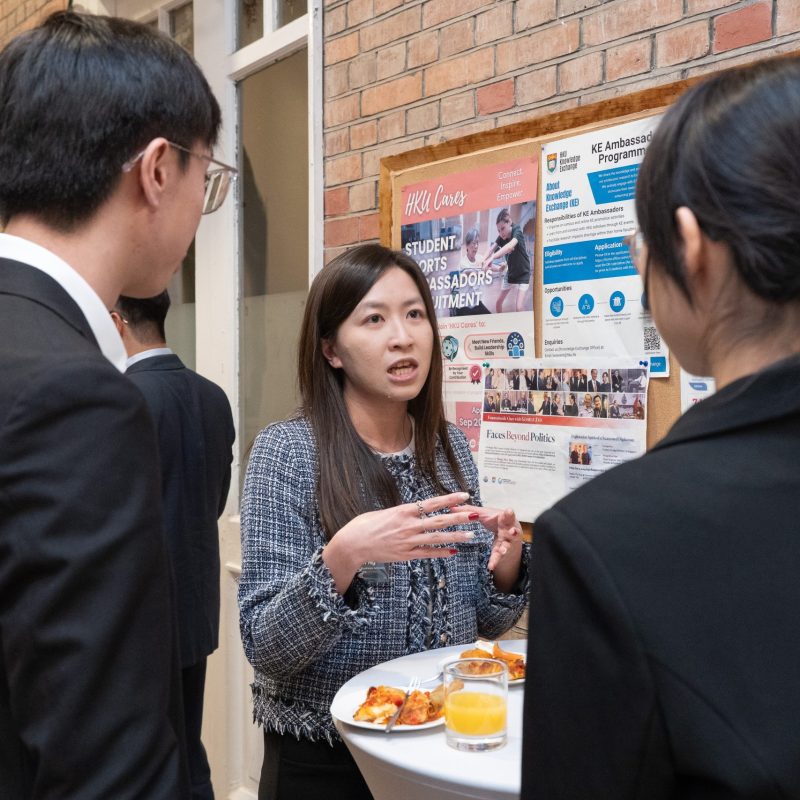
pixel 304 770
pixel 194 682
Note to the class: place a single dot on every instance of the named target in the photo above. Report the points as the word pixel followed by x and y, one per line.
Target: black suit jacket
pixel 195 436
pixel 89 677
pixel 664 650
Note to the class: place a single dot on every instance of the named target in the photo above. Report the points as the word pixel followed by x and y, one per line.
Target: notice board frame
pixel 431 161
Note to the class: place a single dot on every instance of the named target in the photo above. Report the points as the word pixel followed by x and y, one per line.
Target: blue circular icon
pixel 515 345
pixel 556 306
pixel 617 302
pixel 586 304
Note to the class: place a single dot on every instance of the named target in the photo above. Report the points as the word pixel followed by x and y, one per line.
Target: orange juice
pixel 475 713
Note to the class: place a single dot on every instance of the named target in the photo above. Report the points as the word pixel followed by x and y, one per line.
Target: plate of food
pixel 483 649
pixel 372 707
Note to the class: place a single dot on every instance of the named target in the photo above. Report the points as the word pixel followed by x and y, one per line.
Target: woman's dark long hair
pixel 728 150
pixel 351 479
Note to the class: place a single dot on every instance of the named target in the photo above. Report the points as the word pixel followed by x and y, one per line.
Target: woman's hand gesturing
pixel 400 533
pixel 504 560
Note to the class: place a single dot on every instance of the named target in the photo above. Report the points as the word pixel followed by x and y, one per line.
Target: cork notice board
pixel 520 140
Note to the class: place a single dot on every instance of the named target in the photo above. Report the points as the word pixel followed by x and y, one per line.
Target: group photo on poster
pixel 545 430
pixel 592 297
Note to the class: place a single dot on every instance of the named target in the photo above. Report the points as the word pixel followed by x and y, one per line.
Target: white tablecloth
pixel 418 765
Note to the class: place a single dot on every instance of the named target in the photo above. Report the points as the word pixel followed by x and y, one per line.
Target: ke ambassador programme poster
pixel 592 294
pixel 472 234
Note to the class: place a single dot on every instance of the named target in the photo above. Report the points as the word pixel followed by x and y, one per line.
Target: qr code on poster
pixel 652 341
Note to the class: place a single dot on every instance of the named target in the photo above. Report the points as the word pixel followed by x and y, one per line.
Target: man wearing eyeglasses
pixel 106 136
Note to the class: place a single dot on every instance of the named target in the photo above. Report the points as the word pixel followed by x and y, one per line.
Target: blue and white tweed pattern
pixel 300 635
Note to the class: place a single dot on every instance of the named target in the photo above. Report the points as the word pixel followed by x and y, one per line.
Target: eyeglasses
pixel 635 244
pixel 218 180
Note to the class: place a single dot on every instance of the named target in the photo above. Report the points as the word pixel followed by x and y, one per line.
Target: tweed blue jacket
pixel 302 638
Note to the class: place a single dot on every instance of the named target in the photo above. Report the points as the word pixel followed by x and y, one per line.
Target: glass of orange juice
pixel 475 703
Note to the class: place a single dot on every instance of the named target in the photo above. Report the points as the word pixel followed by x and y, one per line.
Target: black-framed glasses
pixel 635 244
pixel 217 183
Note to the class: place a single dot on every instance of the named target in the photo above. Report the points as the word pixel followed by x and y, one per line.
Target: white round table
pixel 418 764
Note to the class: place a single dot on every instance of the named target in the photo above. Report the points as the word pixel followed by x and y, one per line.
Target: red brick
pixel 557 40
pixel 531 13
pixel 580 73
pixel 699 6
pixel 328 254
pixel 495 97
pixel 391 60
pixel 369 227
pixel 358 11
pixel 336 81
pixel 470 68
pixel 372 158
pixel 487 123
pixel 363 196
pixel 392 126
pixel 337 201
pixel 389 29
pixel 679 45
pixel 382 6
pixel 363 135
pixel 787 18
pixel 457 107
pixel 341 231
pixel 567 7
pixel 362 71
pixel 423 49
pixel 630 17
pixel 628 59
pixel 395 93
pixel 457 38
pixel 341 48
pixel 495 24
pixel 422 118
pixel 337 142
pixel 535 86
pixel 335 21
pixel 742 27
pixel 437 11
pixel 343 169
pixel 337 112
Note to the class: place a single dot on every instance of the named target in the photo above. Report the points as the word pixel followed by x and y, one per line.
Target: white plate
pixel 347 701
pixel 507 645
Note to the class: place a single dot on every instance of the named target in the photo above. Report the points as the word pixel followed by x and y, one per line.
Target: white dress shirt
pixel 87 300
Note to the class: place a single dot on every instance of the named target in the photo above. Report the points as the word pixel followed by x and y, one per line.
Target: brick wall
pixel 19 15
pixel 400 75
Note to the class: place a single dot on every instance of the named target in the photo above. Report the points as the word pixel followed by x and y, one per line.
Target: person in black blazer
pixel 195 433
pixel 90 702
pixel 663 658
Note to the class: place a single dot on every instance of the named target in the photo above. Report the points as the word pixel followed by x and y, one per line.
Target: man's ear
pixel 154 171
pixel 118 323
pixel 329 351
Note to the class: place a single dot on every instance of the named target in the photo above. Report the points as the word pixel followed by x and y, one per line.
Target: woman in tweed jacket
pixel 415 562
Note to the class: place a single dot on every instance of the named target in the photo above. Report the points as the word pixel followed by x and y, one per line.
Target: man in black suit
pixel 593 384
pixel 98 198
pixel 195 433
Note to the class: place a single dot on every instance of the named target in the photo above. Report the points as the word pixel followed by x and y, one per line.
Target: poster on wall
pixel 549 426
pixel 695 388
pixel 472 234
pixel 592 294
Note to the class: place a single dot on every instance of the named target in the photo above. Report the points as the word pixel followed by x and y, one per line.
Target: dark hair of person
pixel 352 480
pixel 81 95
pixel 503 216
pixel 146 316
pixel 728 150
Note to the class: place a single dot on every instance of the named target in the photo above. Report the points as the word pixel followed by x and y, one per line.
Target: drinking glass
pixel 475 704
